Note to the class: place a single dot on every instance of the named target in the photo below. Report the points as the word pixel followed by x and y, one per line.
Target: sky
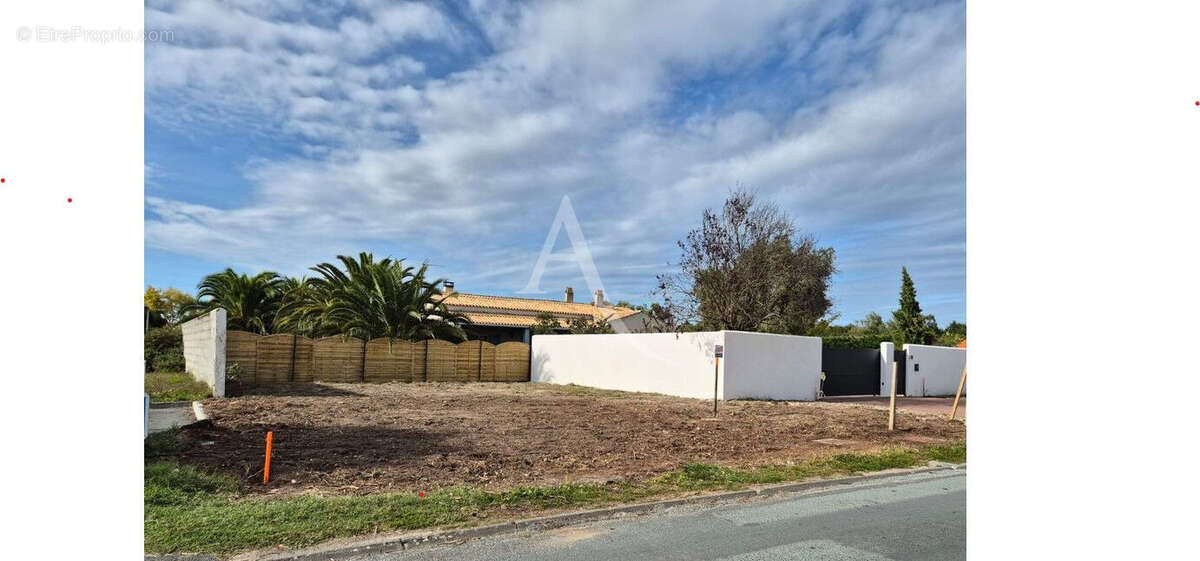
pixel 279 134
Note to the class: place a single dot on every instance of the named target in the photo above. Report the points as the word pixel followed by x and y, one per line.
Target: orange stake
pixel 267 462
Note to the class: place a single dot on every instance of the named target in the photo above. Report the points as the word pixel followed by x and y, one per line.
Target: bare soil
pixel 367 438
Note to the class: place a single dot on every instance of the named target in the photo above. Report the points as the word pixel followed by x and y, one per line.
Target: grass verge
pixel 187 510
pixel 175 386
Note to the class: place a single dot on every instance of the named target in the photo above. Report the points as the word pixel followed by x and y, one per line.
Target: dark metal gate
pixel 850 371
pixel 900 356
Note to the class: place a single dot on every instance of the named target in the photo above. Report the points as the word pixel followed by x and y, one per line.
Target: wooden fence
pixel 283 359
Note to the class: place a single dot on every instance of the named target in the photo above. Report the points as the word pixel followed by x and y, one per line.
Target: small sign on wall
pixel 719 351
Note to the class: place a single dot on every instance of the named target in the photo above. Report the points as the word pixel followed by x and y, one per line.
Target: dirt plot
pixel 365 438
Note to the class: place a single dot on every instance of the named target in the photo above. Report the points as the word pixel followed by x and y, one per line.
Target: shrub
pixel 175 386
pixel 855 341
pixel 169 361
pixel 163 341
pixel 233 372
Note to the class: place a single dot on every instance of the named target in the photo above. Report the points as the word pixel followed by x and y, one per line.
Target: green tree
pixel 747 268
pixel 367 299
pixel 168 305
pixel 250 301
pixel 914 326
pixel 581 325
pixel 954 334
pixel 871 325
pixel 546 324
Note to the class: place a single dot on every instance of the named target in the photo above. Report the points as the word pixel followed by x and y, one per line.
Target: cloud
pixel 453 136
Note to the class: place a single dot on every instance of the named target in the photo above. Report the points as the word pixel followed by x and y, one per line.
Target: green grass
pixel 175 386
pixel 187 510
pixel 163 445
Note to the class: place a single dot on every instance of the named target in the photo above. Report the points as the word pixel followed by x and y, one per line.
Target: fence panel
pixel 304 360
pixel 466 361
pixel 284 358
pixel 241 347
pixel 389 361
pixel 337 359
pixel 512 362
pixel 273 365
pixel 440 365
pixel 487 370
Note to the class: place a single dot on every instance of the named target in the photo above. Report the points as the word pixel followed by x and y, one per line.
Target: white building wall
pixel 668 363
pixel 763 365
pixel 933 371
pixel 756 365
pixel 204 349
pixel 633 323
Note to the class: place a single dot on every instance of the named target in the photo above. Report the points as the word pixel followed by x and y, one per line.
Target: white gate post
pixel 886 357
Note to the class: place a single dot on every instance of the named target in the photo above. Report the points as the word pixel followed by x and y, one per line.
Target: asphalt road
pixel 916 516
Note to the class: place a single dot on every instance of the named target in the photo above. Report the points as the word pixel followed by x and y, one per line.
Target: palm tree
pixel 297 293
pixel 251 302
pixel 368 299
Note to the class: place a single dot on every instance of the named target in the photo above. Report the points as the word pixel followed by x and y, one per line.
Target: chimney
pixel 448 287
pixel 569 295
pixel 599 301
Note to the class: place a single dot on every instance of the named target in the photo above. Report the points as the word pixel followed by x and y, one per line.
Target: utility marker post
pixel 267 460
pixel 717 354
pixel 892 407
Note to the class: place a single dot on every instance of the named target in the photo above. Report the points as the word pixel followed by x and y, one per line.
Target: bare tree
pixel 748 269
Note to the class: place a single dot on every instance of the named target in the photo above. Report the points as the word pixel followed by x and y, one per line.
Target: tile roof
pixel 505 320
pixel 522 312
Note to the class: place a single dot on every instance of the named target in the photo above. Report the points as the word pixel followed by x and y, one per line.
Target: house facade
pixel 498 319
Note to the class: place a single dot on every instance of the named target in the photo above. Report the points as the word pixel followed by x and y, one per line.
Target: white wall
pixel 763 365
pixel 755 365
pixel 204 349
pixel 933 371
pixel 668 363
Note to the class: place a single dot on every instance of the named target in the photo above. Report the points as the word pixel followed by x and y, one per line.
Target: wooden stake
pixel 716 366
pixel 961 382
pixel 892 407
pixel 267 461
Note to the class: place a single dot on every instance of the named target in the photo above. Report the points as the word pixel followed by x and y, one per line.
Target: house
pixel 498 319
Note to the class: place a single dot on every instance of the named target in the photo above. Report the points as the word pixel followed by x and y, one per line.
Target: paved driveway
pixel 164 416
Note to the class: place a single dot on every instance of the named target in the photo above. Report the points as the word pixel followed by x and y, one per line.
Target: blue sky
pixel 280 134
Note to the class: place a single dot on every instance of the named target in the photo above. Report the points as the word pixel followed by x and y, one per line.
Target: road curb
pixel 169 404
pixel 398 542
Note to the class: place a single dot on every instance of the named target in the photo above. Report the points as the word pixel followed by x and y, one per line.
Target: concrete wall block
pixel 769 366
pixel 679 364
pixel 755 365
pixel 204 349
pixel 933 371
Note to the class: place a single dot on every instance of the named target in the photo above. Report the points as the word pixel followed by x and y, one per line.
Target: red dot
pixel 68 199
pixel 2 179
